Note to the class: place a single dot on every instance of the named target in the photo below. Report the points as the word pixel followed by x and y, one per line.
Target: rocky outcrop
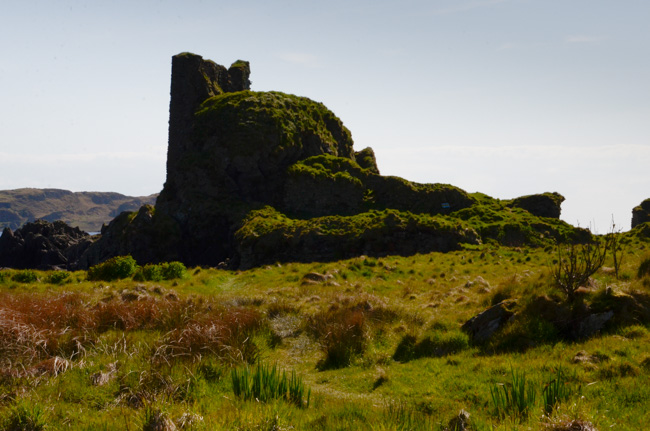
pixel 260 177
pixel 367 160
pixel 141 234
pixel 43 245
pixel 541 205
pixel 268 236
pixel 641 213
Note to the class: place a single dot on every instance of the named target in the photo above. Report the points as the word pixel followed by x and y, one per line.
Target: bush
pixel 576 263
pixel 173 270
pixel 164 271
pixel 58 277
pixel 113 269
pixel 26 276
pixel 149 272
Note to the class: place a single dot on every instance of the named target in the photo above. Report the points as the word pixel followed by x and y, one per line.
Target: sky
pixel 503 97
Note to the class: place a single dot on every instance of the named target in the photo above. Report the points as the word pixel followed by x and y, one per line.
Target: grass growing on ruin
pixel 375 342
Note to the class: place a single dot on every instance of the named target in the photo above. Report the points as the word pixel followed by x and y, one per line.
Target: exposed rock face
pixel 641 213
pixel 141 234
pixel 541 205
pixel 42 245
pixel 229 149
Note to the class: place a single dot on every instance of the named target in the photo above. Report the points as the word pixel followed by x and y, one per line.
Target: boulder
pixel 593 324
pixel 483 325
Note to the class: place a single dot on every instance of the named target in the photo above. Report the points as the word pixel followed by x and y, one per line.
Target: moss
pixel 268 236
pixel 247 121
pixel 515 226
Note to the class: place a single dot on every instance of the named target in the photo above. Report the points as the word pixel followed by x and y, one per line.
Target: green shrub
pixel 25 276
pixel 265 384
pixel 4 276
pixel 149 272
pixel 113 269
pixel 58 277
pixel 173 270
pixel 26 417
pixel 163 271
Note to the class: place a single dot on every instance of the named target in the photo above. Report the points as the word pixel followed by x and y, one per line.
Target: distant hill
pixel 86 210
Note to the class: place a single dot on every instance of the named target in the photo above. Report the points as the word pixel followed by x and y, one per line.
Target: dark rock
pixel 144 235
pixel 641 213
pixel 42 245
pixel 459 423
pixel 593 324
pixel 483 325
pixel 541 205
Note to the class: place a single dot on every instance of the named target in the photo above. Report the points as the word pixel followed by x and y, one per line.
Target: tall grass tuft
pixel 222 333
pixel 515 398
pixel 265 383
pixel 556 391
pixel 341 334
pixel 400 416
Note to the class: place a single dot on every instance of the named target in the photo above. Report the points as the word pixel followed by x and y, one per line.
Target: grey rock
pixel 483 325
pixel 593 324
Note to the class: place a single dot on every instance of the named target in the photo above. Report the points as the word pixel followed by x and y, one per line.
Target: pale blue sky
pixel 505 97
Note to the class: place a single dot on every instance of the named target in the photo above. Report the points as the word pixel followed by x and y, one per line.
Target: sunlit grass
pixel 129 351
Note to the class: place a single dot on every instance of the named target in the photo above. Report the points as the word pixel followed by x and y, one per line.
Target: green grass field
pixel 364 344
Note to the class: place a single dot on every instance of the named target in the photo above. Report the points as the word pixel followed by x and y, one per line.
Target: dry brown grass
pixel 223 333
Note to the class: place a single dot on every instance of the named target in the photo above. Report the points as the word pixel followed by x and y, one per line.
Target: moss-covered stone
pixel 367 160
pixel 541 205
pixel 268 236
pixel 496 221
pixel 641 213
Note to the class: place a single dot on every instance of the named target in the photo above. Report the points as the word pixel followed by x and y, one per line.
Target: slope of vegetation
pixel 85 210
pixel 365 343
